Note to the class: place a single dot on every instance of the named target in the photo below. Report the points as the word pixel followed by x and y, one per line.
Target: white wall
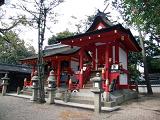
pixel 143 88
pixel 123 60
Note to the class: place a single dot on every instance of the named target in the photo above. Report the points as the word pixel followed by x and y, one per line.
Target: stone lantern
pixel 97 90
pixel 4 84
pixel 51 87
pixel 51 80
pixel 35 80
pixel 97 82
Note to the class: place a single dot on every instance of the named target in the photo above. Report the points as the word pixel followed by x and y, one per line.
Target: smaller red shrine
pixel 104 48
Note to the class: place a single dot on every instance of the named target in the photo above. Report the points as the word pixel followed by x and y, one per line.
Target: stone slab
pixel 20 96
pixel 86 106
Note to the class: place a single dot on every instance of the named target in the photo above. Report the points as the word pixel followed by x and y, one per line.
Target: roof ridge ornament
pixel 103 14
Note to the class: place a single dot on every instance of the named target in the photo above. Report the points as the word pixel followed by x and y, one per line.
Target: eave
pixel 46 57
pixel 104 35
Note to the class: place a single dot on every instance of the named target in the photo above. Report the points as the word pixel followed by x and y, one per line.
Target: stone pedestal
pixel 51 95
pixel 97 100
pixel 34 93
pixel 4 89
pixel 4 84
pixel 97 90
pixel 66 97
pixel 18 90
pixel 34 88
pixel 106 96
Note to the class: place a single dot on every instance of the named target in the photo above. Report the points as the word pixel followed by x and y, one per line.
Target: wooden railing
pixel 86 74
pixel 27 83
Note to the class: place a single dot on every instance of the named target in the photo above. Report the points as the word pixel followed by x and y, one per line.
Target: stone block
pixel 109 104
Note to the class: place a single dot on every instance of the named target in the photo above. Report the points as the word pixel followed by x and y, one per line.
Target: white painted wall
pixel 143 88
pixel 123 60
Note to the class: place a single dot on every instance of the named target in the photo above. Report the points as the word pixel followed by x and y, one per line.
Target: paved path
pixel 12 108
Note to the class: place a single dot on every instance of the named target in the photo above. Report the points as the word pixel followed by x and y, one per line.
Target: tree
pixel 14 50
pixel 39 11
pixel 12 22
pixel 134 12
pixel 84 24
pixel 60 35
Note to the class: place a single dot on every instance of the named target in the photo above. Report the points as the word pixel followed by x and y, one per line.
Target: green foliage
pixel 52 40
pixel 151 48
pixel 144 13
pixel 60 35
pixel 153 65
pixel 64 34
pixel 13 49
pixel 134 73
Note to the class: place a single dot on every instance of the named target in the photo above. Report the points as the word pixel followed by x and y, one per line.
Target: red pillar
pixel 103 74
pixel 107 67
pixel 117 61
pixel 33 70
pixel 81 69
pixel 58 73
pixel 117 53
pixel 94 59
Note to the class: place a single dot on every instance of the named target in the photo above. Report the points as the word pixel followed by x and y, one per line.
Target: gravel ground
pixel 144 108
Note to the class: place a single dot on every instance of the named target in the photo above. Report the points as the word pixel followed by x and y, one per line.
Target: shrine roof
pixel 51 52
pixel 114 27
pixel 14 68
pixel 117 27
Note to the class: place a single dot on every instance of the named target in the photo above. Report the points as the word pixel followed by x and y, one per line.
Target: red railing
pixel 86 74
pixel 27 83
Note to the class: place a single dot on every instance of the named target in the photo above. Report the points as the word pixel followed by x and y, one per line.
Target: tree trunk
pixel 149 88
pixel 40 53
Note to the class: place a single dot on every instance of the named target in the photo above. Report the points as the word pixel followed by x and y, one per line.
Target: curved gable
pixel 100 22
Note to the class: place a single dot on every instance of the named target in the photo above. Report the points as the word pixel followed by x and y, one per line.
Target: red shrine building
pixel 103 48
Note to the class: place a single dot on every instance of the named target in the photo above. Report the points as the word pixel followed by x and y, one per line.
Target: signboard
pixel 123 79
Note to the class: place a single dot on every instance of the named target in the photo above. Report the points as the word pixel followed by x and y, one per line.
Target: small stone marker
pixel 4 84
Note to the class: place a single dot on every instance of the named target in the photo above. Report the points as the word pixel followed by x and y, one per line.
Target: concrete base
pixel 34 94
pixel 4 89
pixel 109 104
pixel 116 97
pixel 120 96
pixel 62 94
pixel 86 106
pixel 20 96
pixel 51 95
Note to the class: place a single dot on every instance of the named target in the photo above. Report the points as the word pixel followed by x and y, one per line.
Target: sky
pixel 78 8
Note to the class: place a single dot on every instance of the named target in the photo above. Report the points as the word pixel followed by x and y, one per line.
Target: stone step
pixel 120 96
pixel 90 101
pixel 84 92
pixel 109 109
pixel 88 85
pixel 82 101
pixel 26 92
pixel 109 104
